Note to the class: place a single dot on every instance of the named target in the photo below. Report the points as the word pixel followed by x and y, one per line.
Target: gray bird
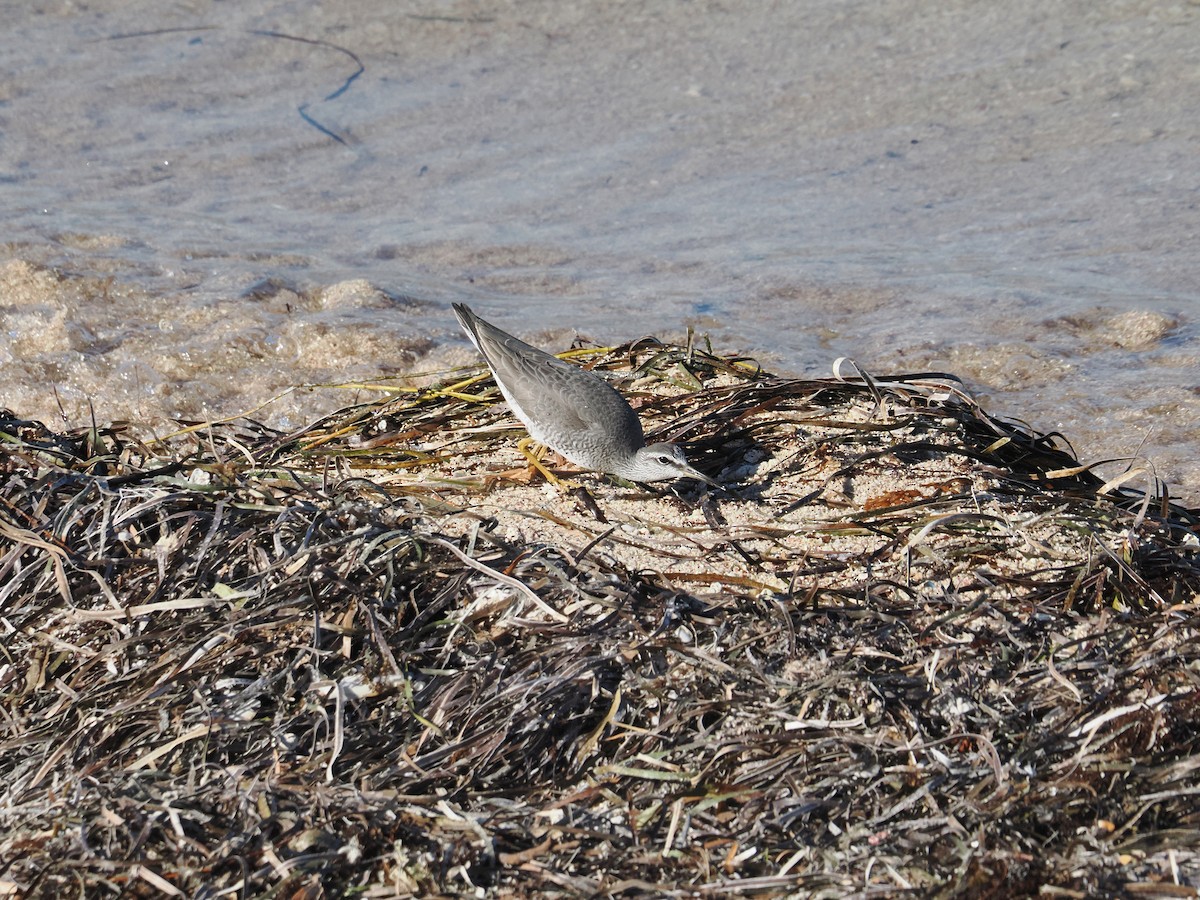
pixel 572 410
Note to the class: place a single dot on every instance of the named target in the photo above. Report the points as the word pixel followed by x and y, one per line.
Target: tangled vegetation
pixel 911 649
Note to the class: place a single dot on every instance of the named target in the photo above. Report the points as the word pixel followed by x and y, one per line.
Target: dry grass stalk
pixel 915 649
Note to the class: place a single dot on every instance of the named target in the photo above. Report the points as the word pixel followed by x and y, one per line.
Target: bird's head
pixel 658 462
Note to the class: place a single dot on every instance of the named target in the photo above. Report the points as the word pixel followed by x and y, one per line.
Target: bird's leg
pixel 534 456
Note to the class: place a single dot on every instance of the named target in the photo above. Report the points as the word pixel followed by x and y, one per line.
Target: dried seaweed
pixel 913 649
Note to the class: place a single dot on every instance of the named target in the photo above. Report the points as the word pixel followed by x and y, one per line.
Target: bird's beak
pixel 692 472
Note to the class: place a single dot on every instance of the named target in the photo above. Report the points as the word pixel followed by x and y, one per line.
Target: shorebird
pixel 572 410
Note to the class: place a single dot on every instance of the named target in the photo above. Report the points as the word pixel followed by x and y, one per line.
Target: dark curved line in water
pixel 316 42
pixel 302 109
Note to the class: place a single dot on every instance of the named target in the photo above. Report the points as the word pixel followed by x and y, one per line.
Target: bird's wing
pixel 546 389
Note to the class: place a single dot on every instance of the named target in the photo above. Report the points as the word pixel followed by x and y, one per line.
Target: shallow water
pixel 1012 195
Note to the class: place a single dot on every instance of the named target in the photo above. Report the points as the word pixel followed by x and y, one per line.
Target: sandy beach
pixel 285 611
pixel 906 649
pixel 226 201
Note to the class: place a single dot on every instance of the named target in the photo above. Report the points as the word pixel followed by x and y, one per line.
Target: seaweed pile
pixel 912 649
